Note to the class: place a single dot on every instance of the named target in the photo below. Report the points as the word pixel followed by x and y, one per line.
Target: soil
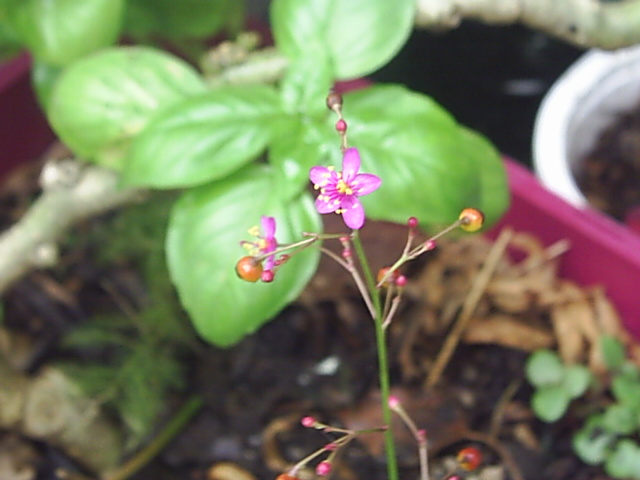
pixel 317 357
pixel 610 174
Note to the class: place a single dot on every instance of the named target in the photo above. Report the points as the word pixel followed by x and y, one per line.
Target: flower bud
pixel 323 468
pixel 267 276
pixel 334 101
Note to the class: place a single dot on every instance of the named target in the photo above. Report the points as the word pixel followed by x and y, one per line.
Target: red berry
pixel 471 219
pixel 391 279
pixel 469 458
pixel 249 269
pixel 286 476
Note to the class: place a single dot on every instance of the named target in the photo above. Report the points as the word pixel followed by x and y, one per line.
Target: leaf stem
pixel 383 361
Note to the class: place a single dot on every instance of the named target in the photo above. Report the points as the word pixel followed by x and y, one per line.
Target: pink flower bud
pixel 308 422
pixel 412 222
pixel 341 126
pixel 401 281
pixel 394 402
pixel 267 276
pixel 323 468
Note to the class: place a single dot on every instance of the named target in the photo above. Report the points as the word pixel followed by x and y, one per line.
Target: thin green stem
pixel 144 456
pixel 383 361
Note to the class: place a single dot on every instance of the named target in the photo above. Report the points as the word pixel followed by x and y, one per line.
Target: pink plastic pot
pixel 603 252
pixel 24 132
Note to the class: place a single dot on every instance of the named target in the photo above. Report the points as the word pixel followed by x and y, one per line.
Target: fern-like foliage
pixel 132 357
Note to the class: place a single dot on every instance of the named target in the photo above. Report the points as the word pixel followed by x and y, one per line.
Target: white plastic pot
pixel 585 100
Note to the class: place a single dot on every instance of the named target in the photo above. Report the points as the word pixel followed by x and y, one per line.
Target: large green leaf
pixel 61 31
pixel 417 149
pixel 360 35
pixel 102 101
pixel 292 154
pixel 205 137
pixel 183 18
pixel 493 197
pixel 204 232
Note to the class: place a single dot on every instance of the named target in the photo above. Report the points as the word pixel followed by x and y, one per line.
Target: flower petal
pixel 324 205
pixel 321 175
pixel 269 262
pixel 353 214
pixel 365 183
pixel 268 227
pixel 350 164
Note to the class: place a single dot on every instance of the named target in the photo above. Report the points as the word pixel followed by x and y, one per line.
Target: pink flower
pixel 339 191
pixel 265 243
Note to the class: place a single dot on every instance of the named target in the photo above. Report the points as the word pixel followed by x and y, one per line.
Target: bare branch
pixel 72 192
pixel 585 23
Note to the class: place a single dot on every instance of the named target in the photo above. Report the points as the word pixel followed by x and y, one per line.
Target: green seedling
pixel 556 384
pixel 609 435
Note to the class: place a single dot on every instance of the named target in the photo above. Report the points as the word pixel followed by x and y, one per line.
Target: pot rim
pixel 554 121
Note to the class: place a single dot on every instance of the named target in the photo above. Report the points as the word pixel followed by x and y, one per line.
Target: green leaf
pixel 101 102
pixel 180 19
pixel 487 162
pixel 205 138
pixel 296 150
pixel 360 35
pixel 544 367
pixel 43 77
pixel 620 419
pixel 417 149
pixel 592 443
pixel 626 388
pixel 61 31
pixel 576 380
pixel 612 351
pixel 550 402
pixel 204 232
pixel 306 85
pixel 624 461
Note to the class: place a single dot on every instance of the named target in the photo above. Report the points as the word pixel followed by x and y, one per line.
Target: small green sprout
pixel 556 384
pixel 609 435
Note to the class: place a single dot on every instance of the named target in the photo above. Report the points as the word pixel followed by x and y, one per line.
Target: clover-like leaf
pixel 204 232
pixel 624 460
pixel 550 402
pixel 592 443
pixel 613 352
pixel 360 35
pixel 205 137
pixel 626 388
pixel 544 367
pixel 104 100
pixel 576 380
pixel 620 419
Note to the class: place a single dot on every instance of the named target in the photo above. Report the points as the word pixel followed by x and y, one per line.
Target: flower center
pixel 343 188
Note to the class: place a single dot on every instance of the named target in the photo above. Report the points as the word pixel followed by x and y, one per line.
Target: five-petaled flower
pixel 265 243
pixel 339 191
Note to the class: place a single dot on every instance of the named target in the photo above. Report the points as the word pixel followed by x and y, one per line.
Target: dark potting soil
pixel 316 358
pixel 609 174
